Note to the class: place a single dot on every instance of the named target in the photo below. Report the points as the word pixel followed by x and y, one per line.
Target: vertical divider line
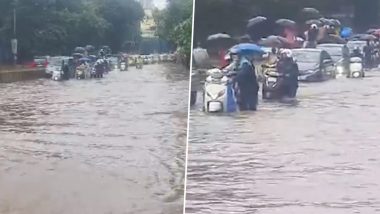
pixel 188 111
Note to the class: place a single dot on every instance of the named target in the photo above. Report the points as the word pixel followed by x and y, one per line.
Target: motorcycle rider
pixel 311 36
pixel 367 49
pixel 346 59
pixel 357 53
pixel 289 69
pixel 247 84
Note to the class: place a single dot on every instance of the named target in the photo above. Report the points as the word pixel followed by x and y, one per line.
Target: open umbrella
pixel 256 20
pixel 245 39
pixel 376 33
pixel 275 43
pixel 314 21
pixel 247 49
pixel 78 55
pixel 326 21
pixel 310 10
pixel 335 22
pixel 286 22
pixel 346 32
pixel 79 50
pixel 84 59
pixel 310 13
pixel 371 31
pixel 201 57
pixel 363 37
pixel 219 40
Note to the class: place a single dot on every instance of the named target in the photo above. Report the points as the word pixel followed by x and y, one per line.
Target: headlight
pixel 339 69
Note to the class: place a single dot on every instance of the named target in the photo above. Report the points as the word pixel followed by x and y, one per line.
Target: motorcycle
pixel 214 92
pixel 273 85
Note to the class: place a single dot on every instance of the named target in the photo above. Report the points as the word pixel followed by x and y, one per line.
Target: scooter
pixel 80 74
pixel 356 68
pixel 57 75
pixel 123 66
pixel 273 85
pixel 214 92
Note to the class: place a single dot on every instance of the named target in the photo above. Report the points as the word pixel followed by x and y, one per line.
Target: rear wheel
pixel 266 94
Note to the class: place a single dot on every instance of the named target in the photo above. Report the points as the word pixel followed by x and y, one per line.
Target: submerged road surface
pixel 321 155
pixel 114 145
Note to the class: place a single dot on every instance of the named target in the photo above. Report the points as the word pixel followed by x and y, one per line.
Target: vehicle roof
pixel 330 45
pixel 307 50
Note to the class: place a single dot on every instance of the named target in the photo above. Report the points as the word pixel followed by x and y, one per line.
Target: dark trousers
pixel 248 101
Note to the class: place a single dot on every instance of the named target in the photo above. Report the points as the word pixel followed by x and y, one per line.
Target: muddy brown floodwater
pixel 115 145
pixel 320 155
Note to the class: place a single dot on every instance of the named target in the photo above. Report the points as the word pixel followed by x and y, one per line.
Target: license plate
pixel 272 79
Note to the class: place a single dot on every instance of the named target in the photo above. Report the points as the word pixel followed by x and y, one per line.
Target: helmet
pixel 287 53
pixel 314 26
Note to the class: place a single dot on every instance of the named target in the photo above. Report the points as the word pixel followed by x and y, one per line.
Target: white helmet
pixel 287 53
pixel 314 26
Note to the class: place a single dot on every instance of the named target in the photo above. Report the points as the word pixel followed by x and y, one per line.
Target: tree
pixel 175 24
pixel 57 26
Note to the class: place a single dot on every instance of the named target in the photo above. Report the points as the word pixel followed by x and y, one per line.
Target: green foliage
pixel 57 26
pixel 175 24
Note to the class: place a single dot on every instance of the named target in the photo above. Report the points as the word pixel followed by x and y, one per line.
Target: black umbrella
pixel 256 20
pixel 310 13
pixel 363 37
pixel 90 48
pixel 271 41
pixel 244 39
pixel 326 21
pixel 286 22
pixel 368 37
pixel 79 50
pixel 310 10
pixel 314 21
pixel 219 40
pixel 336 22
pixel 371 31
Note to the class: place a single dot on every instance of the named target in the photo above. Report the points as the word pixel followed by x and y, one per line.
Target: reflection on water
pixel 114 145
pixel 320 155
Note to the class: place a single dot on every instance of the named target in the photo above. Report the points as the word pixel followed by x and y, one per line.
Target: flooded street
pixel 320 155
pixel 115 145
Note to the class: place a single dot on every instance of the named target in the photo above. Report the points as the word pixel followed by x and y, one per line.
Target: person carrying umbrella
pixel 289 69
pixel 367 50
pixel 247 84
pixel 311 36
pixel 346 59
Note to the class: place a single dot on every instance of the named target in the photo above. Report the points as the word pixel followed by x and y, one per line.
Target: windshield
pixel 351 45
pixel 307 56
pixel 334 52
pixel 55 61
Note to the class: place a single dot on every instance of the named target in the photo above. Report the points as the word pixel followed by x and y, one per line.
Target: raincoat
pixel 248 85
